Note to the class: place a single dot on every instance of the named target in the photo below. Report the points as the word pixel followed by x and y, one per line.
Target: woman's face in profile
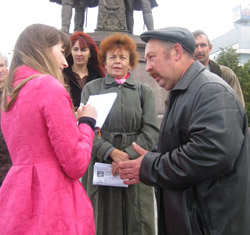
pixel 117 62
pixel 59 54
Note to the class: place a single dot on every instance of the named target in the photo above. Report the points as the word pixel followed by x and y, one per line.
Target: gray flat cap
pixel 172 34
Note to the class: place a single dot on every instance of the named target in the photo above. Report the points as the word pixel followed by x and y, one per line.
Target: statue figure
pixel 80 6
pixel 145 6
pixel 111 16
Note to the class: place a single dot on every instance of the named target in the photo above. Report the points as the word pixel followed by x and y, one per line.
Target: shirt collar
pixel 130 82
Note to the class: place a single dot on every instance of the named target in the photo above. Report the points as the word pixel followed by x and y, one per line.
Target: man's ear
pixel 210 47
pixel 178 51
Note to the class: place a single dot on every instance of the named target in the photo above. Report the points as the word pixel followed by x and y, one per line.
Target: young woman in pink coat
pixel 42 193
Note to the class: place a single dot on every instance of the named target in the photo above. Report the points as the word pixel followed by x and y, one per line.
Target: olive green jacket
pixel 123 211
pixel 229 76
pixel 127 121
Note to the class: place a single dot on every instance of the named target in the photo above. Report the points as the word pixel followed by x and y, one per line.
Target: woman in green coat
pixel 133 118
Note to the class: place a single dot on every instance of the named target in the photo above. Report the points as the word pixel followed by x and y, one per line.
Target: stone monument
pixel 111 16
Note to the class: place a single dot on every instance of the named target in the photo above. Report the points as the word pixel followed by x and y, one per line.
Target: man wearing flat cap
pixel 201 169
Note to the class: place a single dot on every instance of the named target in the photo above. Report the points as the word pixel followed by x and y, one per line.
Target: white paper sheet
pixel 103 176
pixel 103 104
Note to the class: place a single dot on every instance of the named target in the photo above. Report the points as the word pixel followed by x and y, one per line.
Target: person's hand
pixel 115 169
pixel 86 111
pixel 130 170
pixel 119 156
pixel 76 116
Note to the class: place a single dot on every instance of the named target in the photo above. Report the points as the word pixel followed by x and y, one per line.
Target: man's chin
pixel 158 79
pixel 161 84
pixel 201 60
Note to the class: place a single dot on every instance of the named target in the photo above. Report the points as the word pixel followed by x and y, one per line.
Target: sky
pixel 212 16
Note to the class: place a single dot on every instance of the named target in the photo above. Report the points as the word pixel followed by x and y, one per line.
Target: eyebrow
pixel 148 54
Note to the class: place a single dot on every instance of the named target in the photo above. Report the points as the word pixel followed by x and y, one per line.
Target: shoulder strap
pixel 141 94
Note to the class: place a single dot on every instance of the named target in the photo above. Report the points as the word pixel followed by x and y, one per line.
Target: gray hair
pixel 200 32
pixel 4 58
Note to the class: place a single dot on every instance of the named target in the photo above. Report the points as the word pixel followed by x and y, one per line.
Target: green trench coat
pixel 123 211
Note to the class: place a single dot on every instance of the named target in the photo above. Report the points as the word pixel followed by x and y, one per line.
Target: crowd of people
pixel 196 164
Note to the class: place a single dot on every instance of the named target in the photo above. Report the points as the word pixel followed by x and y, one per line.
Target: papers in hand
pixel 103 104
pixel 103 176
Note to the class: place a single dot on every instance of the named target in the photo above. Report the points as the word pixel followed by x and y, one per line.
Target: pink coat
pixel 42 193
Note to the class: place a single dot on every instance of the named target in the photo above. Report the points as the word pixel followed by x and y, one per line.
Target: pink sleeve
pixel 72 144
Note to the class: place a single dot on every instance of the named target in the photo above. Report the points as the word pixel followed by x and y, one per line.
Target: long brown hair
pixel 33 48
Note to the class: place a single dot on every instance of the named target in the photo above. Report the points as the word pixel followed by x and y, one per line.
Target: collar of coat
pixel 193 71
pixel 129 83
pixel 214 68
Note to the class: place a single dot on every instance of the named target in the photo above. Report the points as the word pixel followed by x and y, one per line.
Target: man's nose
pixel 198 48
pixel 148 67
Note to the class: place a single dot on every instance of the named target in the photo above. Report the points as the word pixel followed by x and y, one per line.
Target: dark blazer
pixel 75 89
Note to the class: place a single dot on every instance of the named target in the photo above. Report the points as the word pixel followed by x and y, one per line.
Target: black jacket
pixel 202 168
pixel 75 89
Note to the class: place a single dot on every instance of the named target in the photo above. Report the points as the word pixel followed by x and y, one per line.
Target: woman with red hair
pixel 83 65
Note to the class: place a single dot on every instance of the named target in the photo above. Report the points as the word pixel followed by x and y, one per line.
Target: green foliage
pixel 230 58
pixel 244 77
